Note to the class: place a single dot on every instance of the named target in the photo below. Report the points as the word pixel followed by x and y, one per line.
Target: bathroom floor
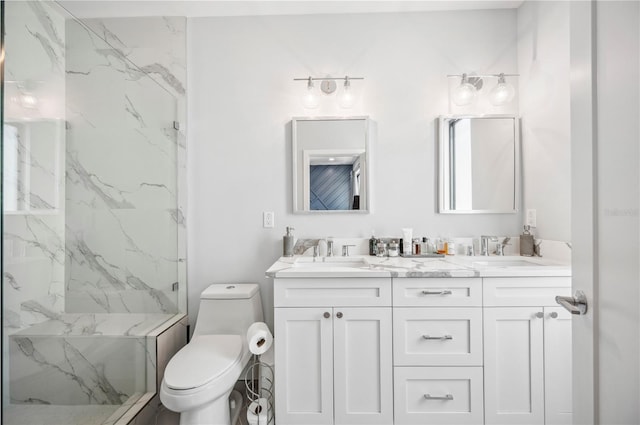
pixel 57 415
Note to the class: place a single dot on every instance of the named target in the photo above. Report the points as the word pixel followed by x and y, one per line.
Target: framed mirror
pixel 479 164
pixel 330 158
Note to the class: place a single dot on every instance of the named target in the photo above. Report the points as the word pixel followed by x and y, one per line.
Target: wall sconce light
pixel 328 87
pixel 466 93
pixel 502 93
pixel 310 99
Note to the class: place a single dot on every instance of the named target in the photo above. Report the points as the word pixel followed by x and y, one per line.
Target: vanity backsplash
pixel 552 250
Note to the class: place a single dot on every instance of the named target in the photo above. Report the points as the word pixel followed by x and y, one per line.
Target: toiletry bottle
pixel 451 247
pixel 287 243
pixel 372 244
pixel 424 247
pixel 393 250
pixel 526 243
pixel 407 240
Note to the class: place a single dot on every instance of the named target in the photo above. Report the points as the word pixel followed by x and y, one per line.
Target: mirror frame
pixel 305 181
pixel 443 179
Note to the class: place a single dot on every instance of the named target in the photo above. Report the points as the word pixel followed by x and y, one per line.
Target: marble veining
pixel 54 58
pixel 94 184
pixel 74 368
pixel 47 22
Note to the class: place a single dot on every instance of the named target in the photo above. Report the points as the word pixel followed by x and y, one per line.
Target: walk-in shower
pixel 93 236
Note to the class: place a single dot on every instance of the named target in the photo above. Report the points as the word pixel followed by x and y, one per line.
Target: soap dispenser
pixel 287 243
pixel 526 243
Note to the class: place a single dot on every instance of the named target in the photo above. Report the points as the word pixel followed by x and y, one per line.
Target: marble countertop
pixel 448 266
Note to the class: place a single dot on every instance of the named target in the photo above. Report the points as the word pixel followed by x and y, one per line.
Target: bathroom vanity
pixel 458 340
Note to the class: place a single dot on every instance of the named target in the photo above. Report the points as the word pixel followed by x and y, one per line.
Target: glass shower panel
pixel 90 219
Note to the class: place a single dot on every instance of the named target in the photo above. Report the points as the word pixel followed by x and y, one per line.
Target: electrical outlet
pixel 268 219
pixel 531 218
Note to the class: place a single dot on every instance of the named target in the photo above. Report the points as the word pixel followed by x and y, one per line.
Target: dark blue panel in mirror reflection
pixel 330 187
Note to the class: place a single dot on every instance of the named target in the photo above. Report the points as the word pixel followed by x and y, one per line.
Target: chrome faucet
pixel 329 247
pixel 315 252
pixel 500 246
pixel 484 244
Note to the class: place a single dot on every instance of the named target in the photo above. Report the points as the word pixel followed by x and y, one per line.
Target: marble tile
pixel 91 324
pixel 33 414
pixel 77 370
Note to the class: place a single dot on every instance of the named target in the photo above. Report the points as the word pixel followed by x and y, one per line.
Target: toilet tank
pixel 228 309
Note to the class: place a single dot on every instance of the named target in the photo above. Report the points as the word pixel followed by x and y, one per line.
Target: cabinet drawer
pixel 437 336
pixel 336 292
pixel 524 291
pixel 434 395
pixel 438 292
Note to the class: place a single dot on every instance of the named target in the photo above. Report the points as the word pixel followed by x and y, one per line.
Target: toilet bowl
pixel 199 379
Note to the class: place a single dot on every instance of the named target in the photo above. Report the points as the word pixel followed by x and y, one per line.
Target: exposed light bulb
pixel 465 93
pixel 502 93
pixel 346 98
pixel 310 99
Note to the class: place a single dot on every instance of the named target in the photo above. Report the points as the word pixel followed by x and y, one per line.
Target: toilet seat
pixel 204 359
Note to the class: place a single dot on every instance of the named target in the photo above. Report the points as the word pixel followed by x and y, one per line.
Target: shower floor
pixel 57 415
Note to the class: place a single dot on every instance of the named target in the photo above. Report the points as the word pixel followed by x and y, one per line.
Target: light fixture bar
pixel 475 76
pixel 336 78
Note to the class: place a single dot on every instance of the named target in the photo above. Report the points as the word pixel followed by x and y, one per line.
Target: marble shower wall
pixel 125 163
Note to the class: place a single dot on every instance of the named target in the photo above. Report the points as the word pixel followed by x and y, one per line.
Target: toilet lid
pixel 205 358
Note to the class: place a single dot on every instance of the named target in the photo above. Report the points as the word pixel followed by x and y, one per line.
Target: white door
pixel 557 366
pixel 513 365
pixel 304 372
pixel 605 111
pixel 363 382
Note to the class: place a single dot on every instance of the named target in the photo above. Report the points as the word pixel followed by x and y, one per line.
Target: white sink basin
pixel 329 262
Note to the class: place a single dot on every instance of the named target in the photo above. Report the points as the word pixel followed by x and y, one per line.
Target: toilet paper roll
pixel 259 338
pixel 257 412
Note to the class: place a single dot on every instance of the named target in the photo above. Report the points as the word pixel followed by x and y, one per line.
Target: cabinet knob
pixel 539 315
pixel 339 315
pixel 326 315
pixel 553 315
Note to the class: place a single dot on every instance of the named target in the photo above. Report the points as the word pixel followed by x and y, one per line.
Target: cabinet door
pixel 363 383
pixel 557 366
pixel 303 366
pixel 514 365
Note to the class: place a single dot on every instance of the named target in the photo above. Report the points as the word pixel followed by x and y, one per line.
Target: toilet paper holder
pixel 258 381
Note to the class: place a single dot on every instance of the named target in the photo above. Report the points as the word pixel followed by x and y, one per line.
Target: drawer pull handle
pixel 442 338
pixel 447 292
pixel 431 397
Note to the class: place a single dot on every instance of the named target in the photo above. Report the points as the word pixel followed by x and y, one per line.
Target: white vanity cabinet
pixel 527 351
pixel 333 351
pixel 437 339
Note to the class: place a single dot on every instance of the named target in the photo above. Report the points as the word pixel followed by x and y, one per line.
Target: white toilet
pixel 200 377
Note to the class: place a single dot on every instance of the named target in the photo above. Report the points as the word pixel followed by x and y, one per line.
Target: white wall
pixel 543 64
pixel 242 97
